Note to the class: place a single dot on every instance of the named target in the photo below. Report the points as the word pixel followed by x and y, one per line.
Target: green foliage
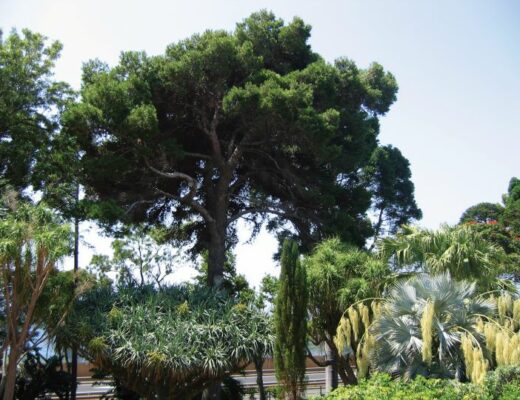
pixel 338 276
pixel 403 330
pixel 461 250
pixel 501 384
pixel 172 342
pixel 392 189
pixel 504 383
pixel 511 216
pixel 30 103
pixel 235 284
pixel 383 387
pixel 268 290
pixel 28 230
pixel 38 378
pixel 141 257
pixel 482 213
pixel 290 316
pixel 245 124
pixel 32 241
pixel 501 226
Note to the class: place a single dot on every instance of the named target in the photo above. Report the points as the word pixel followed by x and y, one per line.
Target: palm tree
pixel 461 250
pixel 32 241
pixel 421 326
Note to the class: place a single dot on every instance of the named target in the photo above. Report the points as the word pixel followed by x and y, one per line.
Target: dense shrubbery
pixel 382 387
pixel 502 384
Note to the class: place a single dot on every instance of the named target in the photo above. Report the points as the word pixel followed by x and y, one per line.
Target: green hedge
pixel 501 384
pixel 504 383
pixel 382 387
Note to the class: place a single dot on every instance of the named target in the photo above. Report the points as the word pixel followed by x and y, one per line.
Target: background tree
pixel 31 242
pixel 250 124
pixel 482 213
pixel 389 176
pixel 500 225
pixel 235 284
pixel 30 103
pixel 290 320
pixel 141 257
pixel 511 216
pixel 339 276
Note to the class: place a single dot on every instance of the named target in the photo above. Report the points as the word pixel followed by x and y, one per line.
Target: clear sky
pixel 457 117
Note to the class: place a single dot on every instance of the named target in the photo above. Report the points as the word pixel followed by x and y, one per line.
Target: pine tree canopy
pixel 227 125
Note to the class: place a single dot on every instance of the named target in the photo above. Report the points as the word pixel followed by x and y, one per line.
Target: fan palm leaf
pixel 399 345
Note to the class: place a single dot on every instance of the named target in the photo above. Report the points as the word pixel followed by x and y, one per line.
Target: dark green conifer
pixel 291 322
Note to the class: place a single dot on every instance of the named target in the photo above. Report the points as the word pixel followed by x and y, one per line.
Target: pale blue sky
pixel 457 117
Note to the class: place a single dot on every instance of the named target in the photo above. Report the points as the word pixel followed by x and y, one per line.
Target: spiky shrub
pixel 171 343
pixel 429 311
pixel 340 280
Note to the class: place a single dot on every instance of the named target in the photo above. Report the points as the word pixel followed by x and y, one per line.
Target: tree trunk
pixel 331 371
pixel 11 374
pixel 218 231
pixel 342 366
pixel 348 377
pixel 216 259
pixel 74 369
pixel 259 366
pixel 214 392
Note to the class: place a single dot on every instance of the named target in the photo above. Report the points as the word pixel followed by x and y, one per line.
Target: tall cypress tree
pixel 291 322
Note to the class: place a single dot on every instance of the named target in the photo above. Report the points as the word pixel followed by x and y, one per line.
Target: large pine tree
pixel 291 322
pixel 250 124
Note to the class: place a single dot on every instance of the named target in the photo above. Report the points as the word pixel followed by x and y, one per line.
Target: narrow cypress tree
pixel 291 322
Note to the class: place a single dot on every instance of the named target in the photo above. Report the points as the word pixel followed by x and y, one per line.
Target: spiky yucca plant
pixel 171 343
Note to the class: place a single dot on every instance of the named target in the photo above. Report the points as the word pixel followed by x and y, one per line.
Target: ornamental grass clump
pixel 354 328
pixel 502 334
pixel 476 364
pixel 427 331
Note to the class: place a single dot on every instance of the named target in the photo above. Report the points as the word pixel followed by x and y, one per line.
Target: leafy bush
pixel 504 383
pixel 382 387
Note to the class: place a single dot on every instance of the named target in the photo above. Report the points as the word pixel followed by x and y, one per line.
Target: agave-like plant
pixel 421 326
pixel 171 343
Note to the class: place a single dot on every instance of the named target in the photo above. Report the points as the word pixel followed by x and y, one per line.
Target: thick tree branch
pixel 265 210
pixel 197 155
pixel 192 184
pixel 171 175
pixel 319 363
pixel 210 129
pixel 190 202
